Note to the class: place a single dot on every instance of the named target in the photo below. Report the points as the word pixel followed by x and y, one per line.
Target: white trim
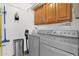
pixel 36 5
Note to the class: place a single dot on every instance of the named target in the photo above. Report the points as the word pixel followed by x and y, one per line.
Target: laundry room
pixel 39 29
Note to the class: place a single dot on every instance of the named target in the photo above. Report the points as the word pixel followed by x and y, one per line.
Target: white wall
pixel 16 29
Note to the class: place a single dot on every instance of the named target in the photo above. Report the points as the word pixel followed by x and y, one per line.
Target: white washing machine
pixel 34 45
pixel 59 43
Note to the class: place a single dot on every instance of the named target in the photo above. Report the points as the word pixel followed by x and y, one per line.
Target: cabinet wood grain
pixel 51 13
pixel 63 12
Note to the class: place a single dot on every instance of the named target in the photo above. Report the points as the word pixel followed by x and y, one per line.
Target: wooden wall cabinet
pixel 37 16
pixel 50 13
pixel 63 12
pixel 40 15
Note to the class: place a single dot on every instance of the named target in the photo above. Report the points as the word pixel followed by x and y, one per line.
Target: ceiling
pixel 23 6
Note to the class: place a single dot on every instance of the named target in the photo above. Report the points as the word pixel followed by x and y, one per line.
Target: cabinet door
pixel 43 15
pixel 50 13
pixel 40 15
pixel 37 16
pixel 63 12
